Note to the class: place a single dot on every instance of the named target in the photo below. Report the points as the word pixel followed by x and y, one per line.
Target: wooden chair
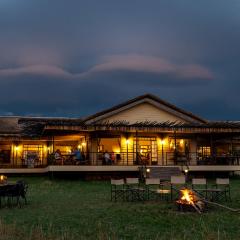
pixel 133 182
pixel 223 185
pixel 177 182
pixel 133 190
pixel 199 185
pixel 152 185
pixel 117 189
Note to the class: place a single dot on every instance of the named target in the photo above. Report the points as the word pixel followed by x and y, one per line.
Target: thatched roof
pixel 9 126
pixel 220 126
pixel 169 124
pixel 34 127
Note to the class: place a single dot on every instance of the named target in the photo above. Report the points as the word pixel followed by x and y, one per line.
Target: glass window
pixel 203 151
pixel 33 153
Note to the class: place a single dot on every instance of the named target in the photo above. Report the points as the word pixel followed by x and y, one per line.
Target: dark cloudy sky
pixel 75 57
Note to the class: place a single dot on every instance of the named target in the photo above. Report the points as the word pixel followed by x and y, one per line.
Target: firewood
pixel 216 204
pixel 200 205
pixel 196 208
pixel 220 205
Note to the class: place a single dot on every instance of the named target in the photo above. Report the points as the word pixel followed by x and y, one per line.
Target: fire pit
pixel 189 201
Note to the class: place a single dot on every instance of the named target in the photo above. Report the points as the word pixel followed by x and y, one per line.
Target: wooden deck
pixel 54 168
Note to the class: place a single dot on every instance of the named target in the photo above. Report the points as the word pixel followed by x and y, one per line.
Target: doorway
pixel 146 150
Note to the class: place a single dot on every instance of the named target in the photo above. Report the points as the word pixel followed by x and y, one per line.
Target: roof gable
pixel 144 108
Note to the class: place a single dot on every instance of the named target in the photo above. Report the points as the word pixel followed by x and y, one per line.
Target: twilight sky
pixel 76 57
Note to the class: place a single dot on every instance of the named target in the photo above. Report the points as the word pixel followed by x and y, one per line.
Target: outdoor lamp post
pixel 3 179
pixel 148 170
pixel 185 170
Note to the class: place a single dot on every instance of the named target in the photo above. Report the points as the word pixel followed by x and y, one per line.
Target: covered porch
pixel 126 144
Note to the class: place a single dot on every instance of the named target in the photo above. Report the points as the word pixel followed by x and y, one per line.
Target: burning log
pixel 189 200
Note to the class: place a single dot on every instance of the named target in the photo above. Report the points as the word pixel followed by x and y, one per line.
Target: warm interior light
pixel 181 141
pixel 17 148
pixel 116 150
pixel 148 170
pixel 79 146
pixel 162 142
pixel 186 170
pixel 83 144
pixel 69 150
pixel 127 141
pixel 1 177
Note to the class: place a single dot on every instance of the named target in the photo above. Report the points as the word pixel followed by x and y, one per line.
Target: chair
pixel 199 185
pixel 177 182
pixel 117 189
pixel 223 185
pixel 152 185
pixel 3 191
pixel 13 191
pixel 156 189
pixel 23 188
pixel 133 190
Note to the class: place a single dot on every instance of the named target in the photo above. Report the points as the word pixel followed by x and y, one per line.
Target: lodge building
pixel 142 131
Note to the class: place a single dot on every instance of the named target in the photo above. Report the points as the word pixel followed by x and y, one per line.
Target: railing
pixel 131 159
pixel 101 158
pixel 193 158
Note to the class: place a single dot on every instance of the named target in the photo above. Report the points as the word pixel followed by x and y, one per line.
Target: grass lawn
pixel 74 209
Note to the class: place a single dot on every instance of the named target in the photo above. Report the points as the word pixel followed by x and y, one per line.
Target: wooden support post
pixel 53 143
pixel 136 142
pixel 212 149
pixel 175 147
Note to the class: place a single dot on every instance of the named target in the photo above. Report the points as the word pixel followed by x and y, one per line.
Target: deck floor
pixel 55 168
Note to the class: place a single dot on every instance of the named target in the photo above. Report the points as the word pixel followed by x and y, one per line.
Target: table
pixel 164 193
pixel 5 188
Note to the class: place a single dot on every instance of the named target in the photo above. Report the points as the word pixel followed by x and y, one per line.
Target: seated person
pixel 77 156
pixel 107 158
pixel 112 158
pixel 58 157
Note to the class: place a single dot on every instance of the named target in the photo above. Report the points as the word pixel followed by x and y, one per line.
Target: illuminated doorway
pixel 146 150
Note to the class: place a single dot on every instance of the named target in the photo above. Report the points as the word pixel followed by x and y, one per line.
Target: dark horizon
pixel 75 58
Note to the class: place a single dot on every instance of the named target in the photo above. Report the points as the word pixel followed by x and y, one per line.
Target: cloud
pixel 150 64
pixel 45 70
pixel 115 63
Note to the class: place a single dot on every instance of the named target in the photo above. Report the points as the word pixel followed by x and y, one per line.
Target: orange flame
pixel 187 197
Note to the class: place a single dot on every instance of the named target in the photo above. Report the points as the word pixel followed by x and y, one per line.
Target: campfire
pixel 189 201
